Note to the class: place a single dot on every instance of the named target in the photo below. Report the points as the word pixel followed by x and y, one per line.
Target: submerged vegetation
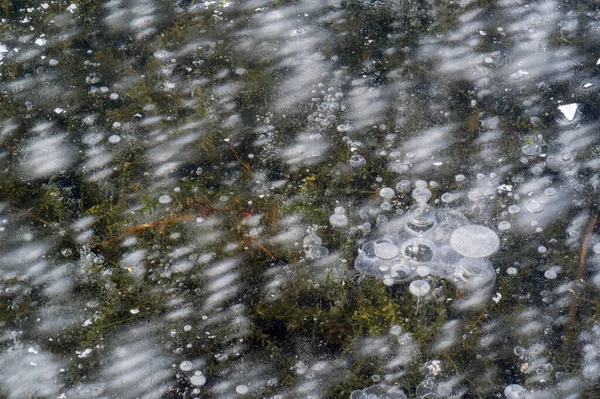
pixel 299 199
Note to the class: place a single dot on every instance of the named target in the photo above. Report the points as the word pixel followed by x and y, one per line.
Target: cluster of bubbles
pixel 313 249
pixel 591 353
pixel 427 241
pixel 380 391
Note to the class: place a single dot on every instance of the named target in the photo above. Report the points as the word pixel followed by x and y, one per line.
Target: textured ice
pixel 259 121
pixel 45 156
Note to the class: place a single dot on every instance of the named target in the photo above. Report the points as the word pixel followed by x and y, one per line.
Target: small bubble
pixel 114 96
pixel 340 210
pixel 448 198
pixel 357 161
pixel 338 220
pixel 421 195
pixel 386 193
pixel 520 351
pixel 550 274
pixel 165 199
pixel 186 365
pixel 511 271
pixel 542 249
pixel 114 139
pixel 66 252
pixel 534 206
pixel 200 219
pixel 514 209
pixel 531 149
pixel 198 379
pixel 550 191
pixel 459 178
pixel 241 389
pixel 503 225
pixel 403 186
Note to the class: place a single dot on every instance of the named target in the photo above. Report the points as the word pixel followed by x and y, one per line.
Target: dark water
pixel 268 199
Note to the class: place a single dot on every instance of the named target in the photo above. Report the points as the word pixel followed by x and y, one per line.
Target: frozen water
pixel 475 241
pixel 195 192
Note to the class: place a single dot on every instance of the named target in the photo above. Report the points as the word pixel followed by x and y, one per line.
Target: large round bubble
pixel 474 241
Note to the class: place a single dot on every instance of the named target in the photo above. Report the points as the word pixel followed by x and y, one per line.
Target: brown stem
pixel 244 164
pixel 580 276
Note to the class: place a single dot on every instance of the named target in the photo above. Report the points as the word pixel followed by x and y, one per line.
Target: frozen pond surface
pixel 299 199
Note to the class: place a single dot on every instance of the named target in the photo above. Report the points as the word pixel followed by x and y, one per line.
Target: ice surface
pixel 236 199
